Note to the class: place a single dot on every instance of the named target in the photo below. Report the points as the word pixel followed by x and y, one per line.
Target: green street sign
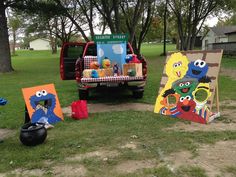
pixel 110 38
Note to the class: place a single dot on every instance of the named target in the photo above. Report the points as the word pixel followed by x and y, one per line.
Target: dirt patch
pixel 228 103
pixel 69 170
pixel 102 107
pixel 102 154
pixel 212 158
pixel 228 72
pixel 23 172
pixel 4 133
pixel 130 145
pixel 191 127
pixel 133 165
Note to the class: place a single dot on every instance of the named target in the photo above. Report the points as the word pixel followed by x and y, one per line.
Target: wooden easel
pixel 27 117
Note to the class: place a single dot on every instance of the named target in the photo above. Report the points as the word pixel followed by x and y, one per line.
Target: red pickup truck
pixel 75 58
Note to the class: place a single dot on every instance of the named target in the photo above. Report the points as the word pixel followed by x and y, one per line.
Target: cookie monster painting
pixel 42 104
pixel 44 112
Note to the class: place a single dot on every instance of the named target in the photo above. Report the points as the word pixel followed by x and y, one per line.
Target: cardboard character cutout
pixel 197 69
pixel 42 104
pixel 186 80
pixel 176 68
pixel 185 86
pixel 186 107
pixel 169 103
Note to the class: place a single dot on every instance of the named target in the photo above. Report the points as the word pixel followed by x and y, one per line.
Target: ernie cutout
pixel 43 104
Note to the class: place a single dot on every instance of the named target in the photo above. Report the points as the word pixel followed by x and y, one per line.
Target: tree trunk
pixel 164 44
pixel 117 17
pixel 177 42
pixel 192 45
pixel 53 44
pixel 134 45
pixel 5 56
pixel 195 32
pixel 194 35
pixel 181 37
pixel 90 20
pixel 14 43
pixel 54 50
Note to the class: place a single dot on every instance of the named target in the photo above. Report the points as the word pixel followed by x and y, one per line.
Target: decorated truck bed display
pixel 109 61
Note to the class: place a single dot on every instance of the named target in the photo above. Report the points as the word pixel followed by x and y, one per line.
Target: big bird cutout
pixel 176 68
pixel 186 90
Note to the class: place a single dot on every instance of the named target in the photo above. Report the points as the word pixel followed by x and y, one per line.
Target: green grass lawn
pixel 102 130
pixel 229 62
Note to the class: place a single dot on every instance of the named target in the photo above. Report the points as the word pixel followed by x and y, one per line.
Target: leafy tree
pixel 138 17
pixel 227 21
pixel 80 13
pixel 109 11
pixel 46 21
pixel 190 16
pixel 35 6
pixel 44 26
pixel 122 16
pixel 14 23
pixel 155 31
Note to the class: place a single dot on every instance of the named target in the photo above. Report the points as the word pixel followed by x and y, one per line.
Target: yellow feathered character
pixel 106 63
pixel 176 68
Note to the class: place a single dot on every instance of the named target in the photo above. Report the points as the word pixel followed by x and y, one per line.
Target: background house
pixel 40 44
pixel 231 36
pixel 221 38
pixel 217 35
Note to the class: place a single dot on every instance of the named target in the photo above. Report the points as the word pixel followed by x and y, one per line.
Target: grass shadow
pixel 112 95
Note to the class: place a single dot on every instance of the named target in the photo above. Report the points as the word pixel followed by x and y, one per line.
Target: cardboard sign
pixel 42 103
pixel 188 85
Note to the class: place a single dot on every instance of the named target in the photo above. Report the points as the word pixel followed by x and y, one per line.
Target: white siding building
pixel 217 35
pixel 232 36
pixel 40 44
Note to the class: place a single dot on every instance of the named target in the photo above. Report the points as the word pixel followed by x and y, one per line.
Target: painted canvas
pixel 113 48
pixel 43 104
pixel 188 84
pixel 116 53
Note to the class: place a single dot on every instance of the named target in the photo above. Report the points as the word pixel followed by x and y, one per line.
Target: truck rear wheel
pixel 83 94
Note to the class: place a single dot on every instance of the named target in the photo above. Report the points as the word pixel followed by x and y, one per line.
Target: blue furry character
pixel 44 112
pixel 94 74
pixel 3 101
pixel 197 69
